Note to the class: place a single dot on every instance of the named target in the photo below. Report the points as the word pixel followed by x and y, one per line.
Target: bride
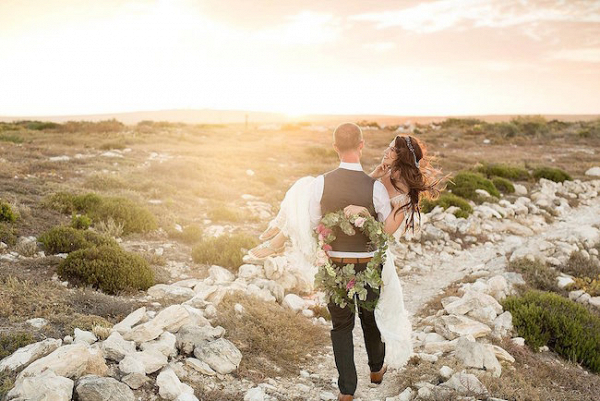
pixel 405 172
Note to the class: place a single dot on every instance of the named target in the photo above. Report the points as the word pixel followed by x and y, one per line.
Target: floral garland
pixel 342 284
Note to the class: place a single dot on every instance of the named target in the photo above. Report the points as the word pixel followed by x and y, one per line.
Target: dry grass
pixel 273 340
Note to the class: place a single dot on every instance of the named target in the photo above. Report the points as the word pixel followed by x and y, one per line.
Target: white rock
pixel 293 302
pixel 200 366
pixel 190 336
pixel 255 394
pixel 446 372
pixel 475 355
pixel 407 395
pixel 221 355
pixel 220 275
pixel 186 397
pixel 465 383
pixel 94 388
pixel 503 324
pixel 169 385
pixel 132 319
pixel 116 348
pixel 24 356
pixel 46 386
pixel 84 336
pixel 518 341
pixel 594 172
pixel 169 319
pixel 454 326
pixel 574 295
pixel 70 361
pixel 171 293
pixel 500 353
pixel 249 272
pixel 520 190
pixel 595 301
pixel 153 360
pixel 165 345
pixel 564 280
pixel 37 323
pixel 274 267
pixel 427 357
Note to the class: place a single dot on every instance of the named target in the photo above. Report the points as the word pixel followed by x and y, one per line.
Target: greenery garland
pixel 343 285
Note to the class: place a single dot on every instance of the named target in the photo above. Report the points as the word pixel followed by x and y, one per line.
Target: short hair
pixel 347 136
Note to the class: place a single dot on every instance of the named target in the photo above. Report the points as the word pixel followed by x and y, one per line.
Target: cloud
pixel 304 28
pixel 380 46
pixel 591 55
pixel 463 14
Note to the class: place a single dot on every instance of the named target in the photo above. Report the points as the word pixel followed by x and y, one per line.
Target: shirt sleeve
pixel 381 201
pixel 314 204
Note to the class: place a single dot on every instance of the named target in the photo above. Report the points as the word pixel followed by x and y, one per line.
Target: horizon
pixel 392 58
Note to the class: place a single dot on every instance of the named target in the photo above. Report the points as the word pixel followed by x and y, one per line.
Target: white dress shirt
pixel 381 201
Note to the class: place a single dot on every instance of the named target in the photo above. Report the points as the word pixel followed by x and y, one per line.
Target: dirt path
pixel 420 286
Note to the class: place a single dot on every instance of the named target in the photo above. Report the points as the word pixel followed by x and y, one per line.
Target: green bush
pixel 503 185
pixel 446 200
pixel 61 239
pixel 536 274
pixel 531 125
pixel 225 213
pixel 190 234
pixel 14 138
pixel 81 222
pixel 8 234
pixel 6 212
pixel 566 327
pixel 108 268
pixel 465 183
pixel 133 217
pixel 505 171
pixel 226 250
pixel 552 174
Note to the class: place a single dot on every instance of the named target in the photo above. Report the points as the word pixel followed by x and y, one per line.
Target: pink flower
pixel 326 231
pixel 321 238
pixel 359 222
pixel 350 284
pixel 319 229
pixel 327 247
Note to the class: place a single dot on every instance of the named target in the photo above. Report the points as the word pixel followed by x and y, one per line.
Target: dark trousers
pixel 342 320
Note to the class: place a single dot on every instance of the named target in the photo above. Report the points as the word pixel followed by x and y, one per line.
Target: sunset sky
pixel 398 57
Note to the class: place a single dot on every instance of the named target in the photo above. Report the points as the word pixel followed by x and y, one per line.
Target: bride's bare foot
pixel 272 247
pixel 269 233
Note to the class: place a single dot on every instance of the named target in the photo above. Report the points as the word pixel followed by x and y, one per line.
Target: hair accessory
pixel 412 150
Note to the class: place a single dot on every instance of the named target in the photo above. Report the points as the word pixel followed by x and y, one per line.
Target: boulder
pixel 260 293
pixel 472 300
pixel 465 383
pixel 47 386
pixel 274 288
pixel 94 388
pixel 255 394
pixel 200 366
pixel 115 347
pixel 221 355
pixel 594 172
pixel 500 353
pixel 446 372
pixel 165 345
pixel 475 355
pixel 249 272
pixel 22 357
pixel 503 324
pixel 171 293
pixel 454 326
pixel 135 317
pixel 220 275
pixel 169 385
pixel 84 336
pixel 293 302
pixel 152 359
pixel 70 361
pixel 169 319
pixel 189 337
pixel 274 267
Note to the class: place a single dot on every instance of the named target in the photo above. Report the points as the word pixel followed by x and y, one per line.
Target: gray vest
pixel 348 187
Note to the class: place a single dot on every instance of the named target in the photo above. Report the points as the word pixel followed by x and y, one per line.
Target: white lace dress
pixel 392 319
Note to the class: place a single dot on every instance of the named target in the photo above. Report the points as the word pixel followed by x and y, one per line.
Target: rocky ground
pixel 171 348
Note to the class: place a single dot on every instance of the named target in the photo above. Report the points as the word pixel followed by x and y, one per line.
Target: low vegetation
pixel 563 325
pixel 446 200
pixel 81 222
pixel 189 234
pixel 537 275
pixel 63 239
pixel 580 265
pixel 552 174
pixel 226 251
pixel 465 184
pixel 8 234
pixel 512 173
pixel 275 341
pixel 10 342
pixel 6 212
pixel 503 185
pixel 107 268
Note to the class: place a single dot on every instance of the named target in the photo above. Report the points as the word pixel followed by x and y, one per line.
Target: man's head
pixel 348 139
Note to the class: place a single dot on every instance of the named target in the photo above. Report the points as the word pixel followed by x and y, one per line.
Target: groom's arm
pixel 314 204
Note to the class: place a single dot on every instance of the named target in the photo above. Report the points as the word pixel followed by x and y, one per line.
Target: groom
pixel 344 186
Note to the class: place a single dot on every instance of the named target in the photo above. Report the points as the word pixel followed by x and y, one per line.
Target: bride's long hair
pixel 413 167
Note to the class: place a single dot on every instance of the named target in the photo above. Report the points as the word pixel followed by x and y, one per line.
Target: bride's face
pixel 389 154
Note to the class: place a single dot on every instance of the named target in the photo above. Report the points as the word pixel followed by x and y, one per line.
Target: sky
pixel 396 57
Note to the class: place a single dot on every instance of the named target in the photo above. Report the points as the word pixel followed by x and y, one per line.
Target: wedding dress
pixel 391 317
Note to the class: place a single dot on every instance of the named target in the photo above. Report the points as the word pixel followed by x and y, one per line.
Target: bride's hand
pixel 379 171
pixel 356 210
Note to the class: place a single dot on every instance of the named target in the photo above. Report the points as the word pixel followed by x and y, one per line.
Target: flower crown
pixel 412 150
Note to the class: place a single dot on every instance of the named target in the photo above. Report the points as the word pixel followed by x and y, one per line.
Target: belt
pixel 350 260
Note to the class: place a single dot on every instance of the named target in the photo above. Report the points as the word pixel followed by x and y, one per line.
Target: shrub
pixel 110 228
pixel 465 183
pixel 104 182
pixel 503 185
pixel 589 285
pixel 61 239
pixel 460 122
pixel 107 268
pixel 552 174
pixel 580 266
pixel 566 327
pixel 81 222
pixel 226 250
pixel 536 274
pixel 6 212
pixel 8 234
pixel 224 213
pixel 14 138
pixel 531 125
pixel 320 152
pixel 505 171
pixel 446 200
pixel 190 234
pixel 133 217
